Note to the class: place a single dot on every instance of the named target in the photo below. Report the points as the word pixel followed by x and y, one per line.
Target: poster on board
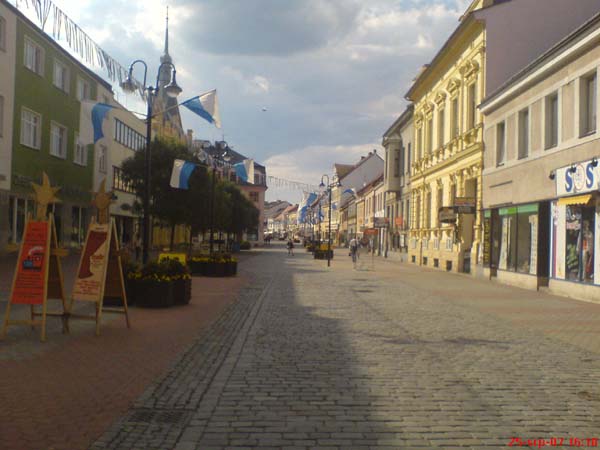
pixel 89 284
pixel 30 281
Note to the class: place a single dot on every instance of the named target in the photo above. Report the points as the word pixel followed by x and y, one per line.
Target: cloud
pixel 332 74
pixel 267 27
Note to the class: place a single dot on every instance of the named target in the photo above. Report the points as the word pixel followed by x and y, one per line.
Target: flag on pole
pixel 206 106
pixel 91 120
pixel 245 170
pixel 180 176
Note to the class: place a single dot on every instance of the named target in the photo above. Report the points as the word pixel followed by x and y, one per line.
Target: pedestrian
pixel 290 247
pixel 137 242
pixel 354 250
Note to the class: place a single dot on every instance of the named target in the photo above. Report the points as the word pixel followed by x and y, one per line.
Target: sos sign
pixel 580 177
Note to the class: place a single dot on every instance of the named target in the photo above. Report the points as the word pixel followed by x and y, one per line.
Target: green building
pixel 49 84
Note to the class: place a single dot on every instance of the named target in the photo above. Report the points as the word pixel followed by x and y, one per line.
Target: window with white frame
pixel 34 57
pixel 587 121
pixel 472 108
pixel 1 116
pixel 454 118
pixel 500 143
pixel 2 33
pixel 102 157
pixel 441 125
pixel 80 156
pixel 58 140
pixel 31 127
pixel 430 135
pixel 84 90
pixel 551 113
pixel 61 76
pixel 523 133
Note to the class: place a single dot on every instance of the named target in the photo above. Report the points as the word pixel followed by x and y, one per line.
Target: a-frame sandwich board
pixel 100 273
pixel 38 276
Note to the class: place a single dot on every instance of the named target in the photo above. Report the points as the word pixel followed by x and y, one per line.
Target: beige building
pixel 448 150
pixel 541 180
pixel 397 141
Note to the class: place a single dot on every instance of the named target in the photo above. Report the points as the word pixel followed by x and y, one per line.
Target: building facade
pixel 398 144
pixel 48 88
pixel 448 150
pixel 8 34
pixel 541 181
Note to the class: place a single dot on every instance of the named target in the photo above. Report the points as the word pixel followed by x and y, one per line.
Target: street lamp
pixel 173 90
pixel 222 157
pixel 322 188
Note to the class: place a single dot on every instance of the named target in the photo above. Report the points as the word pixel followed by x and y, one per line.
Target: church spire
pixel 167 34
pixel 166 57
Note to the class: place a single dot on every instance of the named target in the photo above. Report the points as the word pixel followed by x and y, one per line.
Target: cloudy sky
pixel 331 74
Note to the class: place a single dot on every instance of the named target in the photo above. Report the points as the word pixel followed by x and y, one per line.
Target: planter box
pixel 154 294
pixel 182 291
pixel 198 267
pixel 231 268
pixel 118 301
pixel 322 254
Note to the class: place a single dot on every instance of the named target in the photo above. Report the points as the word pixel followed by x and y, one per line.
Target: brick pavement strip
pixel 387 356
pixel 65 393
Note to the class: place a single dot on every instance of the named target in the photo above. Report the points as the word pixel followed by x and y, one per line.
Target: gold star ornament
pixel 102 201
pixel 44 195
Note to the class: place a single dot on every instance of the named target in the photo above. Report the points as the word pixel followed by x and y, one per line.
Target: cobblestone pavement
pixel 384 356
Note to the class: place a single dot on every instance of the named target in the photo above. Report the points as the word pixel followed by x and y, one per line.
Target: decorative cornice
pixel 469 69
pixel 453 86
pixel 440 99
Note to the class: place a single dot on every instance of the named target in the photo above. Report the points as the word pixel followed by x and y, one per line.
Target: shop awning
pixel 577 200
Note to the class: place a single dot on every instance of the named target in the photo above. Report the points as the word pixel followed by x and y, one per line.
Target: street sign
pixel 446 214
pixel 381 222
pixel 371 232
pixel 464 201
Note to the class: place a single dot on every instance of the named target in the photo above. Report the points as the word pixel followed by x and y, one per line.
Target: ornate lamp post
pixel 172 90
pixel 322 186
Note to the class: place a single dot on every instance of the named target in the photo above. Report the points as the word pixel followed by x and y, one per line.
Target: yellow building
pixel 448 155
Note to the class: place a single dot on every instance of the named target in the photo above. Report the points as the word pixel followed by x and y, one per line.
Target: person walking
pixel 354 250
pixel 290 247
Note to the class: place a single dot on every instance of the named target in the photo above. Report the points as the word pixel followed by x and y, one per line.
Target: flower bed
pixel 160 285
pixel 215 266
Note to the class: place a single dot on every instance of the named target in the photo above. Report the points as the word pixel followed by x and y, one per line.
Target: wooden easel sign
pixel 100 273
pixel 38 275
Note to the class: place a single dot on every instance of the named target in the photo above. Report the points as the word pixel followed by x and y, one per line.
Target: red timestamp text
pixel 553 442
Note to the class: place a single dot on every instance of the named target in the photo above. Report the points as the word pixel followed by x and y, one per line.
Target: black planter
pixel 154 294
pixel 198 267
pixel 182 291
pixel 118 301
pixel 231 268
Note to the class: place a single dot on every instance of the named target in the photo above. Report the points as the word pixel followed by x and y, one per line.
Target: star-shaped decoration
pixel 102 201
pixel 44 195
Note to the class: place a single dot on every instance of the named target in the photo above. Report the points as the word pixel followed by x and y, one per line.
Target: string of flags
pixel 65 29
pixel 275 182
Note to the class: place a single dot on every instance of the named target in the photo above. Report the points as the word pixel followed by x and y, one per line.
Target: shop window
pixel 514 236
pixel 580 244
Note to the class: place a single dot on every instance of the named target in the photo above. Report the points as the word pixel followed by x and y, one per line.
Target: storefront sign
pixel 371 232
pixel 381 222
pixel 579 177
pixel 30 282
pixel 399 221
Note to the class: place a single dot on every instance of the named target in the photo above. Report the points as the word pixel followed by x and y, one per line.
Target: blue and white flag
pixel 91 121
pixel 307 200
pixel 180 177
pixel 206 106
pixel 350 191
pixel 245 170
